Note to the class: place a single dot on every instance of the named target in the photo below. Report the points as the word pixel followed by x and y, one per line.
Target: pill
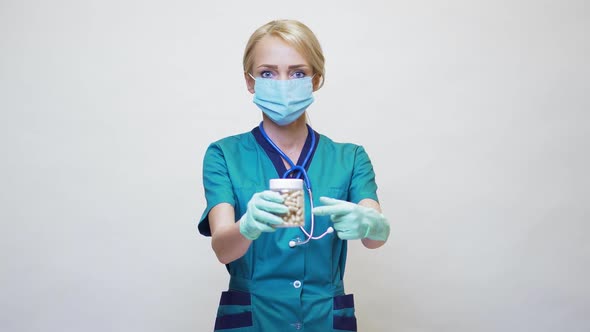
pixel 294 201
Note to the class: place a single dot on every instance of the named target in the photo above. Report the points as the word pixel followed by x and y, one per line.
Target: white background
pixel 475 115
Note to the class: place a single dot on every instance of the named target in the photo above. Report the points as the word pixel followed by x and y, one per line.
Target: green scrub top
pixel 274 287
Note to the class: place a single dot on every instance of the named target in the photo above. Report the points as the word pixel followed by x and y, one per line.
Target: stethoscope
pixel 302 172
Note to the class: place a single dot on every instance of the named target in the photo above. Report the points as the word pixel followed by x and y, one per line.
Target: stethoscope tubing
pixel 302 172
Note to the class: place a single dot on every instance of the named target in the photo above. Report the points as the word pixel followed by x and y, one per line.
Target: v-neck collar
pixel 275 157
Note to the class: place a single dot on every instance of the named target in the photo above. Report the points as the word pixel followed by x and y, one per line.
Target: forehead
pixel 275 51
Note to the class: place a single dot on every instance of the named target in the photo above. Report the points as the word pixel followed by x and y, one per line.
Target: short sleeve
pixel 363 183
pixel 217 184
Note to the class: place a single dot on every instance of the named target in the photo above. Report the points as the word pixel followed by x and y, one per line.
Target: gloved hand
pixel 353 221
pixel 261 214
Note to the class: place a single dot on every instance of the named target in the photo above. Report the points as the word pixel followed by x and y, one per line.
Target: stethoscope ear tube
pixel 300 168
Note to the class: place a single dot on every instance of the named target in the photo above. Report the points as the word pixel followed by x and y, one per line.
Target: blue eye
pixel 298 74
pixel 266 74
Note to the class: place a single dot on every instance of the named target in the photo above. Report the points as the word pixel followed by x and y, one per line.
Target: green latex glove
pixel 261 214
pixel 353 221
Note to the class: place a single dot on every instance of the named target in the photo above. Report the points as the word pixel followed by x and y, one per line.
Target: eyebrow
pixel 276 67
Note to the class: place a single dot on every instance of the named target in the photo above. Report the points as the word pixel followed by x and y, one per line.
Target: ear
pixel 249 82
pixel 316 82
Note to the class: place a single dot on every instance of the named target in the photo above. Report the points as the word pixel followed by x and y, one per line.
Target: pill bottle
pixel 292 192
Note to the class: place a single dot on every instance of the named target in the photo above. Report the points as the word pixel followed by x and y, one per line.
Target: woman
pixel 285 279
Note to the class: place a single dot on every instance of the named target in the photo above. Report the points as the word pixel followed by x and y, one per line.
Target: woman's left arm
pixel 369 243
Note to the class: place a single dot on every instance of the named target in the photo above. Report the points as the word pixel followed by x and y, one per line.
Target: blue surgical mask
pixel 283 101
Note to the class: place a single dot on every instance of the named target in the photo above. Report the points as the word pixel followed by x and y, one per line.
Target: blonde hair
pixel 298 36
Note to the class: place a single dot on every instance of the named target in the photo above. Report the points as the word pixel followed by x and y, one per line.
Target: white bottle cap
pixel 290 184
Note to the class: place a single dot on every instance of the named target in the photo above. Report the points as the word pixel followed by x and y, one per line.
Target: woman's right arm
pixel 227 241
